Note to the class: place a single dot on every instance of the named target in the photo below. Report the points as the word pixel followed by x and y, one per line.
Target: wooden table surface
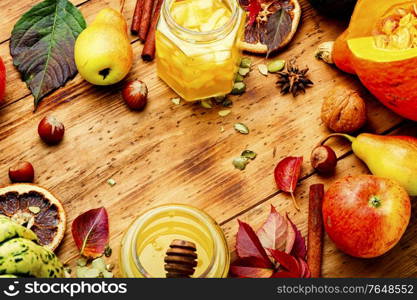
pixel 171 153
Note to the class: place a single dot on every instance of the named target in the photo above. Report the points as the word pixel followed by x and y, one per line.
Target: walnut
pixel 343 110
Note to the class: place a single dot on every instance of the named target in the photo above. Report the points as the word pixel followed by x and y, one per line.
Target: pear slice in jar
pixel 256 38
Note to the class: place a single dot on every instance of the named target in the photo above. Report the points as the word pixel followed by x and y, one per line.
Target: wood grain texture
pixel 172 153
pixel 11 11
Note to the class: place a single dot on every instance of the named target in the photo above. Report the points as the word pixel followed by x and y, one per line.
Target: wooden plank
pixel 399 262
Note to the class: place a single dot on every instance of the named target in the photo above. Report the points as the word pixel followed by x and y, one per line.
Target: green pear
pixel 393 157
pixel 103 53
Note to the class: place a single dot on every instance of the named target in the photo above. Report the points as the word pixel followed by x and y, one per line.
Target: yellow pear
pixel 103 53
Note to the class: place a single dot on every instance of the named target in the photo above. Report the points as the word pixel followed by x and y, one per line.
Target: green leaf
pixel 42 45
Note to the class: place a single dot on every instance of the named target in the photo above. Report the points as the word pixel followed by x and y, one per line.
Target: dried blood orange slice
pixel 271 24
pixel 37 209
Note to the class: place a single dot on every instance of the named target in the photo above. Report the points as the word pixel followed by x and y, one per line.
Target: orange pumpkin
pixel 380 47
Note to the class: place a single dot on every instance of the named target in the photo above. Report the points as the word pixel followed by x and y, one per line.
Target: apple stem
pixel 346 136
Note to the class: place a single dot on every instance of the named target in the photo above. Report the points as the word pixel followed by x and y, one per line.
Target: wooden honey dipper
pixel 180 259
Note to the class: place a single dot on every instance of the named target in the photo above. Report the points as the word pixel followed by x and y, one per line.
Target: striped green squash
pixel 21 256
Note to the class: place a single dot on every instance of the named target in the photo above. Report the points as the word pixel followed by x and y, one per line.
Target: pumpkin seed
pixel 227 102
pixel 244 71
pixel 242 128
pixel 224 113
pixel 249 154
pixel 240 162
pixel 276 65
pixel 263 69
pixel 206 103
pixel 176 101
pixel 238 88
pixel 111 182
pixel 246 62
pixel 86 272
pixel 219 99
pixel 222 129
pixel 388 27
pixel 34 209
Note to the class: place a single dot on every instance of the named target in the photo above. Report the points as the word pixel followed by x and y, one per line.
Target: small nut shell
pixel 343 110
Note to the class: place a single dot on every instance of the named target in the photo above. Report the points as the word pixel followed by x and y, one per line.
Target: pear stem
pixel 122 5
pixel 346 136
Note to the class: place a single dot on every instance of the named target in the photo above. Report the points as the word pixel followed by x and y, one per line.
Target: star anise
pixel 293 80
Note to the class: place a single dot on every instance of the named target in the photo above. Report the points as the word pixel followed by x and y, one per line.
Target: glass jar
pixel 146 241
pixel 199 64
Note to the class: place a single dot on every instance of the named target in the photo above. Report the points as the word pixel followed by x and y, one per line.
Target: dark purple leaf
pixel 277 28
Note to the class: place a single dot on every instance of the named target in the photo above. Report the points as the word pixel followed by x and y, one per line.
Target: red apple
pixel 365 215
pixel 2 80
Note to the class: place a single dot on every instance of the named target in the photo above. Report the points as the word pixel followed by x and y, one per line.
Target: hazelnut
pixel 343 110
pixel 323 159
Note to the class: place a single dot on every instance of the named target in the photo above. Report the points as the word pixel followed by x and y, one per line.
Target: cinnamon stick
pixel 148 52
pixel 145 19
pixel 137 17
pixel 315 230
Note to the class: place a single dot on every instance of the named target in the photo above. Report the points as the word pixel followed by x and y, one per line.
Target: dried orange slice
pixel 37 209
pixel 257 37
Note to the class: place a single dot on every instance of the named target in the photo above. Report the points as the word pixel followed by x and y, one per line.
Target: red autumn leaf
pixel 287 261
pixel 249 246
pixel 243 268
pixel 299 249
pixel 254 9
pixel 287 173
pixel 91 232
pixel 277 232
